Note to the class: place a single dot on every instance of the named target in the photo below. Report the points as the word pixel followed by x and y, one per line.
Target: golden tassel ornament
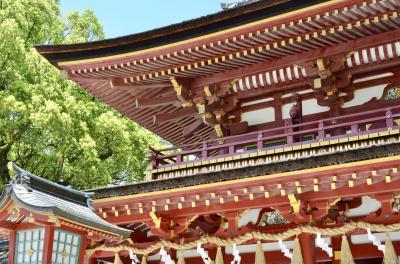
pixel 144 259
pixel 390 256
pixel 297 257
pixel 345 253
pixel 219 258
pixel 117 259
pixel 181 259
pixel 260 258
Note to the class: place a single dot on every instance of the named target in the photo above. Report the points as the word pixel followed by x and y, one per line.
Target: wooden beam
pixel 192 128
pixel 179 114
pixel 119 83
pixel 155 101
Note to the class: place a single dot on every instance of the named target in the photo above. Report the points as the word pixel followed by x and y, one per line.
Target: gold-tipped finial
pixel 10 166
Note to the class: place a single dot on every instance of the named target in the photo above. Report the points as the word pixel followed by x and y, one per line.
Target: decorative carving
pixel 29 252
pixel 64 253
pixel 156 220
pixel 272 218
pixel 294 203
pixel 14 215
pixel 396 204
pixel 392 93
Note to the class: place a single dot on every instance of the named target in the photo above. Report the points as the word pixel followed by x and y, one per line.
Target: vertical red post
pixel 48 244
pixel 307 244
pixel 336 246
pixel 260 143
pixel 89 260
pixel 321 131
pixel 389 119
pixel 204 152
pixel 82 250
pixel 11 251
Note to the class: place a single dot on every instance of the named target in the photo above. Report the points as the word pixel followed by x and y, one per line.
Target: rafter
pixel 342 48
pixel 155 101
pixel 168 117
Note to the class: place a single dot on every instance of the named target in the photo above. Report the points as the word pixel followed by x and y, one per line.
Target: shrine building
pixel 283 120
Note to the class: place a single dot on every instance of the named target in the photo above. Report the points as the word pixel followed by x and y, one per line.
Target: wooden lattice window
pixel 66 247
pixel 29 246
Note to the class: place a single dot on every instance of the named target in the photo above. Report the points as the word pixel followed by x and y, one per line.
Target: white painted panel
pixel 267 247
pixel 286 110
pixel 249 216
pixel 373 77
pixel 363 239
pixel 268 99
pixel 362 96
pixel 368 205
pixel 191 253
pixel 154 257
pixel 259 116
pixel 311 106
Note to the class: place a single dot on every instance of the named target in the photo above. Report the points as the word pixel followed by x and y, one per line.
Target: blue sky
pixel 124 17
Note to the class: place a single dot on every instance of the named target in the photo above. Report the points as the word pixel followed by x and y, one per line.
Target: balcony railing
pixel 280 137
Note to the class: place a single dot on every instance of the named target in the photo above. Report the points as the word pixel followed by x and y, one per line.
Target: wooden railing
pixel 285 136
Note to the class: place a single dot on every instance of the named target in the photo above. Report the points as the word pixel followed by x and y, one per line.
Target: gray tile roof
pixel 25 192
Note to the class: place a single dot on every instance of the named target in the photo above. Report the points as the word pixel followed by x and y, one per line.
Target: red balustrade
pixel 285 136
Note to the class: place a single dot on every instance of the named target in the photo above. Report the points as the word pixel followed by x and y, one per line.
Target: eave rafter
pixel 325 184
pixel 324 29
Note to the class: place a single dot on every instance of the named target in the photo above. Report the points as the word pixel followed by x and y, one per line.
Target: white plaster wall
pixel 259 116
pixel 362 96
pixel 310 106
pixel 373 77
pixel 285 110
pixel 268 99
pixel 368 205
pixel 363 239
pixel 250 216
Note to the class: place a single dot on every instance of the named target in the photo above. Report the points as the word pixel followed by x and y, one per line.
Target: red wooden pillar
pixel 11 252
pixel 278 106
pixel 48 244
pixel 307 244
pixel 336 246
pixel 82 250
pixel 89 260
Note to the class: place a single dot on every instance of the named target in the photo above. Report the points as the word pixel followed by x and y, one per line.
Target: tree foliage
pixel 51 126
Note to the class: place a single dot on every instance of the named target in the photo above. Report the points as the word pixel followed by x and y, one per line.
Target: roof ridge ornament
pixel 21 176
pixel 227 6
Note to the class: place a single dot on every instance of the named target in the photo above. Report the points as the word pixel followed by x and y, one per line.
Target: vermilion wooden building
pixel 284 122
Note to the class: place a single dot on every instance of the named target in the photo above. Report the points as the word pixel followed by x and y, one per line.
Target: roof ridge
pixel 43 185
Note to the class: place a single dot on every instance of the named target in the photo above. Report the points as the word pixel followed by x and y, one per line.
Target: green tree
pixel 50 126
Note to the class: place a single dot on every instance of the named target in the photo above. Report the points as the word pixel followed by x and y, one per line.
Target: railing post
pixel 152 157
pixel 289 138
pixel 260 144
pixel 389 119
pixel 178 159
pixel 321 131
pixel 204 152
pixel 231 149
pixel 354 128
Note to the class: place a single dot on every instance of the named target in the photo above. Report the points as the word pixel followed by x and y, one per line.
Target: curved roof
pixel 27 191
pixel 173 33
